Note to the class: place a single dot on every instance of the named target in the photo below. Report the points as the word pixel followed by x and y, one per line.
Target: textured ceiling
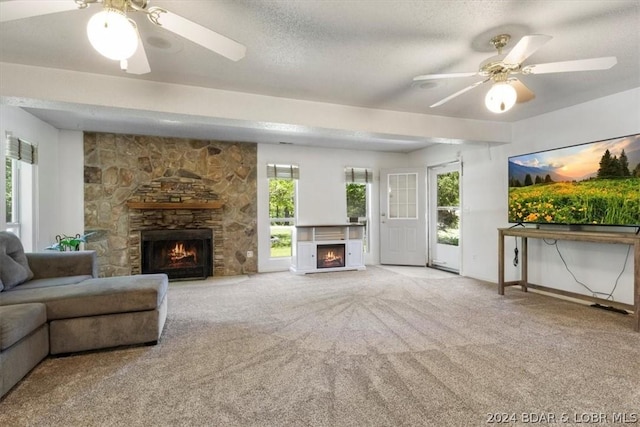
pixel 358 53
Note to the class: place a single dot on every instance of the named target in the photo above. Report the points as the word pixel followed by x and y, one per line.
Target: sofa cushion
pixel 94 297
pixel 14 268
pixel 49 264
pixel 18 321
pixel 52 281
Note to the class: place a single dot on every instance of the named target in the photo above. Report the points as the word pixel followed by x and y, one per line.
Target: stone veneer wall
pixel 176 190
pixel 121 168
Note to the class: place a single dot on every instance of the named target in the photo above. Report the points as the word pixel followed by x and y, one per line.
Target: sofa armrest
pixel 62 264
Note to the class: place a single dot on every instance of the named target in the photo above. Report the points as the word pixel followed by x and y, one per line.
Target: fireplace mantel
pixel 216 204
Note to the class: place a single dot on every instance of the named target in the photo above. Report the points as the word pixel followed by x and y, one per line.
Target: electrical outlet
pixel 249 254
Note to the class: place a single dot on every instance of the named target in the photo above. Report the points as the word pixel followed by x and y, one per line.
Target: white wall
pixel 46 212
pixel 484 197
pixel 321 190
pixel 71 183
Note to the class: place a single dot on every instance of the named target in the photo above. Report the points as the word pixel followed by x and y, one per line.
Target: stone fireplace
pixel 170 208
pixel 138 184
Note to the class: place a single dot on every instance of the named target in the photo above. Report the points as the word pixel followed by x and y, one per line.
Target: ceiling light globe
pixel 501 97
pixel 112 34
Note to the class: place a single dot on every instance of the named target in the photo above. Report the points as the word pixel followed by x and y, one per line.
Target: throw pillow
pixel 14 268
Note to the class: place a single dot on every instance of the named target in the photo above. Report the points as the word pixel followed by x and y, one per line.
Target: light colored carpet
pixel 369 348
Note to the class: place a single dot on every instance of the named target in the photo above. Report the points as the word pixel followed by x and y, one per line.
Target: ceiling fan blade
pixel 138 63
pixel 443 76
pixel 525 48
pixel 524 93
pixel 203 36
pixel 591 64
pixel 19 9
pixel 458 93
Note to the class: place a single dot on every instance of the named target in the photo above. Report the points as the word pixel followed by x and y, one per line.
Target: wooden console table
pixel 580 236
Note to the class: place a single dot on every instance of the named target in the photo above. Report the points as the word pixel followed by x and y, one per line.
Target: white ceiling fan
pixel 507 90
pixel 113 34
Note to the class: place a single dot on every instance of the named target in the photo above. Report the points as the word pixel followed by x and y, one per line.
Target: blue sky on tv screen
pixel 581 161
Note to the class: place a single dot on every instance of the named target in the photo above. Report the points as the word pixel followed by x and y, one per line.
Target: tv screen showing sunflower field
pixel 596 183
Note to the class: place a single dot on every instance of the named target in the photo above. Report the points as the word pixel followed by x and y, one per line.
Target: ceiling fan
pixel 507 90
pixel 113 34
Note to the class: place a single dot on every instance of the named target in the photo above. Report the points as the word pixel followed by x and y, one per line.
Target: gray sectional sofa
pixel 54 303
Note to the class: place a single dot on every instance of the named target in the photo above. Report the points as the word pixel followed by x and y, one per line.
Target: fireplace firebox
pixel 330 256
pixel 181 254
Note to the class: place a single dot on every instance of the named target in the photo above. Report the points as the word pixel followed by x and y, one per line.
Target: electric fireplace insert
pixel 330 256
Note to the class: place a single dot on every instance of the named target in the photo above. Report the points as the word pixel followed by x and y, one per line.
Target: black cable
pixel 626 258
pixel 593 293
pixel 515 251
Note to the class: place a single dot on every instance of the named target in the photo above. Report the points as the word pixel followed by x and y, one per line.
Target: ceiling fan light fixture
pixel 501 97
pixel 112 34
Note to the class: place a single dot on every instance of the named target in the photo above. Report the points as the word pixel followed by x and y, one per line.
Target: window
pixel 12 196
pixel 17 152
pixel 357 191
pixel 282 190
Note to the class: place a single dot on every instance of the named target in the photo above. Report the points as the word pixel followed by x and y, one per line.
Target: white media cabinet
pixel 322 248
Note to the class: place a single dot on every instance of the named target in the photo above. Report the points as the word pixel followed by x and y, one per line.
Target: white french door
pixel 402 217
pixel 444 217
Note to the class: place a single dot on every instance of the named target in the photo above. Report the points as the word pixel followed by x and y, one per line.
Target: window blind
pixel 358 175
pixel 20 150
pixel 283 171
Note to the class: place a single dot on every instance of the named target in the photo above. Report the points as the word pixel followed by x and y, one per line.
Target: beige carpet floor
pixel 370 348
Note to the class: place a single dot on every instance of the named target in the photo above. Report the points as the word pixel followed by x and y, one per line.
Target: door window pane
pixel 448 226
pixel 403 195
pixel 448 208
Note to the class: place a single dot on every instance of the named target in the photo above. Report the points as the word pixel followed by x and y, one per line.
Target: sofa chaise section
pixel 101 312
pixel 24 341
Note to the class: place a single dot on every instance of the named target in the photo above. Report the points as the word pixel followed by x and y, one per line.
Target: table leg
pixel 636 285
pixel 500 262
pixel 525 265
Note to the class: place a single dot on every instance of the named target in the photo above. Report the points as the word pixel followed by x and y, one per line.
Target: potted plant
pixel 68 243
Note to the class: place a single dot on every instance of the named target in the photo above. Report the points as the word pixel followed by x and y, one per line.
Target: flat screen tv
pixel 597 183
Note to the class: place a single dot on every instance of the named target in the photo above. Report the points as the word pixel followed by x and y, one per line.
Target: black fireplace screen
pixel 181 254
pixel 330 256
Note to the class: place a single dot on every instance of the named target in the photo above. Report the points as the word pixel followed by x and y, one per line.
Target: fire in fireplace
pixel 181 254
pixel 178 256
pixel 330 256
